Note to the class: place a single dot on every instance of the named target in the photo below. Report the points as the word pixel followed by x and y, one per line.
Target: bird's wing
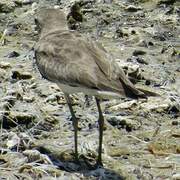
pixel 112 70
pixel 61 58
pixel 67 57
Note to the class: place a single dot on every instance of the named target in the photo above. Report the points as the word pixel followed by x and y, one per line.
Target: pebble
pixel 167 2
pixel 141 61
pixel 175 123
pixel 35 155
pixel 176 176
pixel 13 54
pixel 52 98
pixel 17 74
pixel 2 74
pixel 160 36
pixel 34 6
pixel 113 121
pixel 12 29
pixel 13 118
pixel 26 2
pixel 4 106
pixel 157 105
pixel 28 99
pixel 23 2
pixel 13 92
pixel 13 140
pixel 178 69
pixel 5 65
pixel 10 99
pixel 139 52
pixel 132 8
pixel 174 109
pixel 15 159
pixel 108 1
pixel 124 105
pixel 6 7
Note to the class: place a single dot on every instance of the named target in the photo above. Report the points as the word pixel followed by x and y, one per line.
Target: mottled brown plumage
pixel 67 57
pixel 78 64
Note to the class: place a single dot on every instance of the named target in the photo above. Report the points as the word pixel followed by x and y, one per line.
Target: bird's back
pixel 69 58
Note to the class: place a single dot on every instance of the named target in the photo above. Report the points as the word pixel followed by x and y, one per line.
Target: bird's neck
pixel 52 27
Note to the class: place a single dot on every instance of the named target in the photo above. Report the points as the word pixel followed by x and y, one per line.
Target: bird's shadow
pixel 88 170
pixel 85 165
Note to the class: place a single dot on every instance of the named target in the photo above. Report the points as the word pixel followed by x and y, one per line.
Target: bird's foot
pixel 76 159
pixel 99 164
pixel 95 166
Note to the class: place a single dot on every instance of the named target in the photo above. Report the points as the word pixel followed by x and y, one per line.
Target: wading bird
pixel 78 64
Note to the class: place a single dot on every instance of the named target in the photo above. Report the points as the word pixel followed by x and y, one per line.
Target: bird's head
pixel 47 19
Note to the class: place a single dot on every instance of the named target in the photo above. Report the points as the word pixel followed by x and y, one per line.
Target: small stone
pixel 132 8
pixel 176 176
pixel 125 156
pixel 13 118
pixel 160 36
pixel 132 70
pixel 35 155
pixel 122 123
pixel 2 75
pixel 156 105
pixel 175 123
pixel 16 74
pixel 13 140
pixel 139 52
pixel 143 43
pixel 141 60
pixel 129 127
pixel 26 2
pixel 75 14
pixel 146 139
pixel 10 99
pixel 14 93
pixel 5 65
pixel 150 43
pixel 13 54
pixel 12 29
pixel 167 2
pixel 23 2
pixel 15 159
pixel 108 1
pixel 178 69
pixel 113 121
pixel 28 99
pixel 118 151
pixel 174 110
pixel 6 7
pixel 52 98
pixel 5 106
pixel 124 105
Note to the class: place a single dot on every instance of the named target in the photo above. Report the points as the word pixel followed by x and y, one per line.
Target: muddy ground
pixel 141 138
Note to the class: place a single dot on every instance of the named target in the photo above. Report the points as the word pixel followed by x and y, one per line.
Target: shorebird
pixel 78 64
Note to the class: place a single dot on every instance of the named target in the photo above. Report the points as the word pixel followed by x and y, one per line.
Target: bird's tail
pixel 148 92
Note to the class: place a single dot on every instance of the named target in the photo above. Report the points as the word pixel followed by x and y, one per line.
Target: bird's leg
pixel 75 124
pixel 101 126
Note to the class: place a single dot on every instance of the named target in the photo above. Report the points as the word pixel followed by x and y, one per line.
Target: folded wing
pixel 69 58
